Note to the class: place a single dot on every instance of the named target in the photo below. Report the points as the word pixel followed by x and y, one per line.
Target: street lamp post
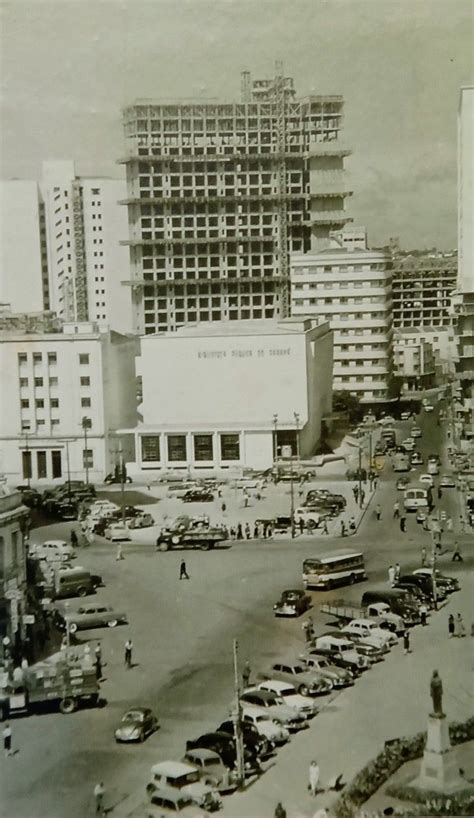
pixel 67 441
pixel 297 424
pixel 237 720
pixel 122 482
pixel 275 445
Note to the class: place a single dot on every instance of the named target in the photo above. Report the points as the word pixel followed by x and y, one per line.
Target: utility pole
pixel 433 566
pixel 275 445
pixel 86 424
pixel 360 474
pixel 239 747
pixel 68 467
pixel 122 482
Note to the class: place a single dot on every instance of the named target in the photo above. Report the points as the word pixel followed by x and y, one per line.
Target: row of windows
pixel 215 301
pixel 54 403
pixel 209 221
pixel 24 382
pixel 203 447
pixel 358 378
pixel 151 319
pixel 51 357
pixel 194 208
pixel 342 285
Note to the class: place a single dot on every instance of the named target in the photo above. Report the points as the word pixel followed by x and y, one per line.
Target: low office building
pixel 351 287
pixel 13 587
pixel 63 396
pixel 232 394
pixel 414 362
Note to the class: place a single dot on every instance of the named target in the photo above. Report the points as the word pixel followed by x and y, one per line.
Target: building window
pixel 150 448
pixel 39 403
pixel 38 381
pixel 53 381
pixel 52 358
pixel 230 447
pixel 176 447
pixel 25 425
pixel 56 467
pixel 23 381
pixel 85 403
pixel 26 465
pixel 54 403
pixel 203 448
pixel 37 357
pixel 22 358
pixel 41 464
pixel 25 404
pixel 85 381
pixel 88 458
pixel 84 358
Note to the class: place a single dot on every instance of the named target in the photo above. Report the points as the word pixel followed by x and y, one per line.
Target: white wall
pixel 20 248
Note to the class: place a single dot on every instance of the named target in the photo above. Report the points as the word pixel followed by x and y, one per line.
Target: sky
pixel 69 66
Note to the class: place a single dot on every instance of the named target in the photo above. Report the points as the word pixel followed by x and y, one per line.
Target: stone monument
pixel 439 767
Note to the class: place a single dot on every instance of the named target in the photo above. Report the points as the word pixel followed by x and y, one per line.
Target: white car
pixel 405 416
pixel 264 725
pixel 426 479
pixel 52 551
pixel 368 629
pixel 288 693
pixel 408 444
pixel 310 518
pixel 448 481
pixel 387 420
pixel 415 431
pixel 117 532
pixel 428 407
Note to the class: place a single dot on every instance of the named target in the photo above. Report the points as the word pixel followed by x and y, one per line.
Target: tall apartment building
pixel 422 287
pixel 52 381
pixel 463 300
pixel 220 194
pixel 87 263
pixel 24 280
pixel 352 289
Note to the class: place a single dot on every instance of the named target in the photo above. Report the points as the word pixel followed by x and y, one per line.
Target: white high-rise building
pixel 87 263
pixel 351 287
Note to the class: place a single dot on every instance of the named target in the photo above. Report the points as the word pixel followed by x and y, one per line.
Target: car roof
pixel 171 794
pixel 203 752
pixel 172 769
pixel 253 710
pixel 296 591
pixel 264 694
pixel 277 685
pixel 56 542
pixel 137 710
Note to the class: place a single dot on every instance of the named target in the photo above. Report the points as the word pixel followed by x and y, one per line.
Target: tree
pixel 348 403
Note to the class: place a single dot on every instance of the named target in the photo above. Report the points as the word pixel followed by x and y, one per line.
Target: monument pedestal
pixel 439 768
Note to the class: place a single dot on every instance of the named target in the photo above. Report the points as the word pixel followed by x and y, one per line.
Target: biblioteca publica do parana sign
pixel 243 353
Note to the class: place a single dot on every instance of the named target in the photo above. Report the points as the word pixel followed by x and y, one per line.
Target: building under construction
pixel 219 195
pixel 422 287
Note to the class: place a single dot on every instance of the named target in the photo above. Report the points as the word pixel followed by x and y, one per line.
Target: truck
pixel 64 681
pixel 65 580
pixel 379 612
pixel 401 462
pixel 189 532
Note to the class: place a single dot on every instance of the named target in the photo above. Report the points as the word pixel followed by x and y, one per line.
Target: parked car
pixel 337 648
pixel 305 681
pixel 415 431
pixel 211 769
pixel 173 802
pixel 292 603
pixel 416 459
pixel 434 458
pixel 136 724
pixel 402 483
pixel 447 481
pixel 408 445
pixel 339 676
pixel 265 725
pixel 448 584
pixel 311 517
pixel 198 496
pixel 224 745
pixel 115 477
pixel 30 497
pixel 93 615
pixel 252 739
pixel 426 479
pixel 117 532
pixel 367 629
pixel 185 779
pixel 326 497
pixel 290 696
pixel 421 581
pixel 356 474
pixel 405 416
pixel 273 706
pixel 363 646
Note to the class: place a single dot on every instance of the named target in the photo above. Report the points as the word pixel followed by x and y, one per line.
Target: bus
pixel 401 461
pixel 339 567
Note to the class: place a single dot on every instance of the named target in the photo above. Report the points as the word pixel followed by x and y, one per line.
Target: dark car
pixel 30 497
pixel 113 478
pixel 136 724
pixel 252 739
pixel 292 603
pixel 198 496
pixel 337 659
pixel 224 745
pixel 421 581
pixel 418 595
pixel 356 474
pixel 326 496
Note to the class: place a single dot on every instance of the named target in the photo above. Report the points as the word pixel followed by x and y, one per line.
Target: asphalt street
pixel 182 633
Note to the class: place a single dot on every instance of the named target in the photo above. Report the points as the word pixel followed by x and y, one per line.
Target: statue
pixel 436 689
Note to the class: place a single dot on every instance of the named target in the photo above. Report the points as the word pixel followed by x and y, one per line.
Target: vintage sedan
pixel 448 584
pixel 402 483
pixel 94 615
pixel 447 481
pixel 416 459
pixel 224 745
pixel 136 724
pixel 288 693
pixel 265 725
pixel 170 801
pixel 211 769
pixel 305 681
pixel 185 779
pixel 273 707
pixel 339 676
pixel 292 603
pixel 198 496
pixel 251 738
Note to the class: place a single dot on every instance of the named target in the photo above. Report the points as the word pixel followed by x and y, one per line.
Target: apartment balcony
pixel 330 217
pixel 334 148
pixel 271 155
pixel 216 199
pixel 241 238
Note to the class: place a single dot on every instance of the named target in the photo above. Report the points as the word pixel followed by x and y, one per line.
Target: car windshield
pixel 287 691
pixel 133 715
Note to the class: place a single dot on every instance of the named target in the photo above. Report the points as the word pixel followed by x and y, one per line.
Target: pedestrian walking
pixel 355 492
pixel 308 629
pixel 240 534
pixel 459 629
pixel 247 531
pixel 449 524
pixel 423 557
pixel 352 524
pixel 450 626
pixel 313 776
pixel 440 492
pixel 74 539
pixel 280 811
pixel 343 528
pixel 457 556
pixel 462 524
pixel 378 511
pixel 301 525
pixel 403 523
pixel 7 739
pixel 391 575
pixel 255 531
pixel 183 574
pixel 396 510
pixel 325 526
pixel 128 653
pixel 246 675
pixel 397 571
pixel 119 555
pixel 98 668
pixel 223 508
pixel 99 792
pixel 362 497
pixel 406 643
pixel 232 533
pixel 423 614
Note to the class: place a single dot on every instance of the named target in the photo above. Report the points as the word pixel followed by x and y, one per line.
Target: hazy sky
pixel 69 66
